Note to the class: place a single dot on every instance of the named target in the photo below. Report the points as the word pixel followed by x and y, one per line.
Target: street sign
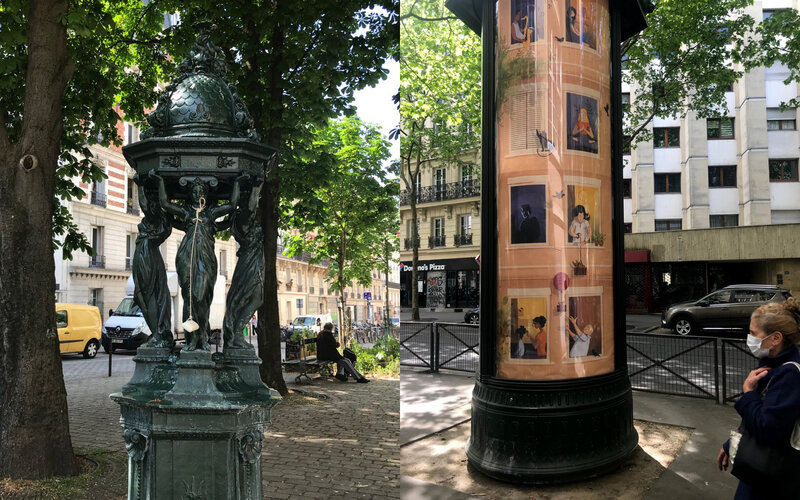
pixel 367 295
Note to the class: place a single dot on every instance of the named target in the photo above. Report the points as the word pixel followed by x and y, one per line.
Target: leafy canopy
pixel 357 212
pixel 114 63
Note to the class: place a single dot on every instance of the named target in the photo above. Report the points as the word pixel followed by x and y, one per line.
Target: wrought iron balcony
pixel 98 199
pixel 462 240
pixel 442 192
pixel 408 243
pixel 98 261
pixel 133 209
pixel 436 241
pixel 128 263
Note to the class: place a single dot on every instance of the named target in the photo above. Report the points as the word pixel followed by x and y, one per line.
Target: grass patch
pixel 103 476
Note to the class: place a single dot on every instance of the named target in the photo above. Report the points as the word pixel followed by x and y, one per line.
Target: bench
pixel 306 363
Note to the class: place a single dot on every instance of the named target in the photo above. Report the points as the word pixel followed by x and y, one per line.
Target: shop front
pixel 441 284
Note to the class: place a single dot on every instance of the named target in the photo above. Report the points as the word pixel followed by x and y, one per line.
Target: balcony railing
pixel 98 261
pixel 133 209
pixel 442 192
pixel 409 243
pixel 462 240
pixel 128 263
pixel 98 199
pixel 436 241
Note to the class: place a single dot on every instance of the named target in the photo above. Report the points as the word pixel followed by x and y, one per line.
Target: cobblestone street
pixel 344 446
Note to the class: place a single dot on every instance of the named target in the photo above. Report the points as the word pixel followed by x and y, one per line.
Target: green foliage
pixel 351 214
pixel 113 63
pixel 778 41
pixel 683 60
pixel 382 358
pixel 440 88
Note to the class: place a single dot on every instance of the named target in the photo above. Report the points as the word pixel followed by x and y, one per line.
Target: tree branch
pixel 445 18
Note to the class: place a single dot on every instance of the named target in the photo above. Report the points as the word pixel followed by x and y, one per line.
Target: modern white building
pixel 710 183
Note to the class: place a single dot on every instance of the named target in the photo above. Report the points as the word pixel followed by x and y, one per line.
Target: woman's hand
pixel 722 460
pixel 752 379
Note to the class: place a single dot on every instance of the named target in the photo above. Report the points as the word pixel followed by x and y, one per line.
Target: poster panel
pixel 555 274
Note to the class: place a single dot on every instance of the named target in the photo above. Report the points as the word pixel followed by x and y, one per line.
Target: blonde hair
pixel 784 318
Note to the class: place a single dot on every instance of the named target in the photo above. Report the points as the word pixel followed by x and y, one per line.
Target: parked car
pixel 314 322
pixel 473 316
pixel 79 329
pixel 727 309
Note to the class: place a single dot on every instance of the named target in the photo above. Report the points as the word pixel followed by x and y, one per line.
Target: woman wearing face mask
pixel 769 415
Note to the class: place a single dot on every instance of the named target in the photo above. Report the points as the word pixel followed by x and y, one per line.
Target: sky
pixel 375 104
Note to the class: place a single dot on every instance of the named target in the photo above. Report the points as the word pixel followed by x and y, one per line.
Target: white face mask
pixel 754 344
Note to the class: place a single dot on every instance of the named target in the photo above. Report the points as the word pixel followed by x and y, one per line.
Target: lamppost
pixel 193 422
pixel 552 401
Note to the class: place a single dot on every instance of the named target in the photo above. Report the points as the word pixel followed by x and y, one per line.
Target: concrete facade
pixel 752 223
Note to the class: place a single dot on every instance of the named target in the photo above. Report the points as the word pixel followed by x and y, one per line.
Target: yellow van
pixel 79 329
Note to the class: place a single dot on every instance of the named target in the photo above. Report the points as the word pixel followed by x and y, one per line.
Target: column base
pixel 551 432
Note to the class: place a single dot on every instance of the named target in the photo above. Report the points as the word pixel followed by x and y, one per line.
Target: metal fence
pixel 699 367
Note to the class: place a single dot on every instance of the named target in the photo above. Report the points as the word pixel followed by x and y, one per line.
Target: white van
pixel 125 327
pixel 314 322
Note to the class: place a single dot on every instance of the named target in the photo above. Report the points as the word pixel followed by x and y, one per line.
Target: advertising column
pixel 554 276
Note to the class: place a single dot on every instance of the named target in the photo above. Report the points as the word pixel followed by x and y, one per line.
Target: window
pixel 131 133
pixel 727 220
pixel 724 176
pixel 97 260
pixel 782 170
pixel 627 227
pixel 528 116
pixel 223 263
pixel 439 181
pixel 626 102
pixel 465 224
pixel 61 319
pixel 781 125
pixel 668 225
pixel 626 144
pixel 667 137
pixel 466 173
pixel 130 240
pixel 719 128
pixel 626 188
pixel 438 227
pixel 667 183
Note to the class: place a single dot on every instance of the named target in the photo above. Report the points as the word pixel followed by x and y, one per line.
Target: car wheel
pixel 91 349
pixel 684 326
pixel 474 319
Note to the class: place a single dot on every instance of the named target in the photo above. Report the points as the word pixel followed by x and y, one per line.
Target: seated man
pixel 326 351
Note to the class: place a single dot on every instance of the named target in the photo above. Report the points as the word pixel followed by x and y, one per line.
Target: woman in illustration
pixel 540 339
pixel 151 292
pixel 573 31
pixel 520 33
pixel 580 338
pixel 247 285
pixel 579 227
pixel 583 127
pixel 196 261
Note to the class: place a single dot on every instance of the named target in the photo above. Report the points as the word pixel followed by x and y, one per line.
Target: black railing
pixel 305 256
pixel 98 261
pixel 436 241
pixel 133 209
pixel 462 240
pixel 128 263
pixel 442 192
pixel 409 242
pixel 98 199
pixel 665 364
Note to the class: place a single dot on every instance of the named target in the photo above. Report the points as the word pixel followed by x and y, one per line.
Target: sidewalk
pixel 343 446
pixel 434 402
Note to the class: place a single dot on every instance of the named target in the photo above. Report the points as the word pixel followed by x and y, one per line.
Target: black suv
pixel 724 310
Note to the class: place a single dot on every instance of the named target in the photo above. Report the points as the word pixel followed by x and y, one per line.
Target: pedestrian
pixel 770 403
pixel 326 351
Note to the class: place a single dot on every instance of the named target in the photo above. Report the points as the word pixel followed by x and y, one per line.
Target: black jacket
pixel 326 347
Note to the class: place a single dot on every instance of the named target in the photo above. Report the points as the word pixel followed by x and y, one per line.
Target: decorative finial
pixel 204 56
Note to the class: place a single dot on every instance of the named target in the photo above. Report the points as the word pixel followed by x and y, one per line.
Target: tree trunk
pixel 34 427
pixel 414 257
